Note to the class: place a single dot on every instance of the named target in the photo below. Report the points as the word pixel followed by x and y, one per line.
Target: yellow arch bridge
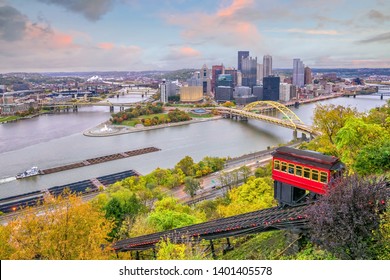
pixel 271 112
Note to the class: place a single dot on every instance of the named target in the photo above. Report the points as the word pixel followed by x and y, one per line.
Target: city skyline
pixel 133 35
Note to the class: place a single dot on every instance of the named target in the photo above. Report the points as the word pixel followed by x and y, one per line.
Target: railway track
pixel 253 222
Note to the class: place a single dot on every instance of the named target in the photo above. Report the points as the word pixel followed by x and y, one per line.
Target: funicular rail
pixel 275 218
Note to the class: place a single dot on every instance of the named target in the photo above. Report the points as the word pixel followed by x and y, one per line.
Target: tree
pixel 373 159
pixel 343 220
pixel 329 119
pixel 354 135
pixel 186 165
pixel 256 194
pixel 192 185
pixel 65 229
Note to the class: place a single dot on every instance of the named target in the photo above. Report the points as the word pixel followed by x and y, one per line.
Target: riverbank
pixel 107 129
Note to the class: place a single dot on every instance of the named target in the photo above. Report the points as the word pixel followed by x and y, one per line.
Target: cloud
pixel 377 16
pixel 228 26
pixel 184 52
pixel 12 24
pixel 384 37
pixel 92 9
pixel 38 47
pixel 313 31
pixel 106 46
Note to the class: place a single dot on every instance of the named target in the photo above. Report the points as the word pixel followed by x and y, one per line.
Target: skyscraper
pixel 260 74
pixel 308 76
pixel 216 70
pixel 267 65
pixel 298 73
pixel 241 55
pixel 249 71
pixel 271 88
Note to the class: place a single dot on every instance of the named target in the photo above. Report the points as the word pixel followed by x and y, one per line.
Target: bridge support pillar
pixel 212 249
pixel 121 108
pixel 111 109
pixel 304 138
pixel 75 108
pixel 228 247
pixel 354 96
pixel 295 135
pixel 382 96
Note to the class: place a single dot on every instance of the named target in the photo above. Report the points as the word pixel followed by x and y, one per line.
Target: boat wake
pixel 6 180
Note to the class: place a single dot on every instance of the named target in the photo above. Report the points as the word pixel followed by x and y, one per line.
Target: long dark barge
pixel 101 159
pixel 13 203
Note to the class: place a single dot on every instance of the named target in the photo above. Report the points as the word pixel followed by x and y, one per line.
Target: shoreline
pixel 113 130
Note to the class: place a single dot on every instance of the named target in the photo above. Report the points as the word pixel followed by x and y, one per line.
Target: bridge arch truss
pixel 264 107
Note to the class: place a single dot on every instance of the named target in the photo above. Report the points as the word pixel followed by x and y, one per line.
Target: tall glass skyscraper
pixel 298 73
pixel 267 65
pixel 241 55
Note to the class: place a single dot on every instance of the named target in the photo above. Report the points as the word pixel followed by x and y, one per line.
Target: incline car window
pixel 277 165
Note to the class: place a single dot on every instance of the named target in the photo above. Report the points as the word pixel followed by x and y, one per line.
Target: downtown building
pixel 271 88
pixel 167 89
pixel 267 65
pixel 298 78
pixel 240 56
pixel 249 71
pixel 216 70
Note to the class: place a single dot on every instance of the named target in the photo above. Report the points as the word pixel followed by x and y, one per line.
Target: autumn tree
pixel 65 229
pixel 343 220
pixel 186 165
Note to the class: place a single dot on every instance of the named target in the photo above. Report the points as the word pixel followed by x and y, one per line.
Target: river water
pixel 57 139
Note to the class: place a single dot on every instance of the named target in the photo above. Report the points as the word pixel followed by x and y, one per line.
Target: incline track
pixel 253 222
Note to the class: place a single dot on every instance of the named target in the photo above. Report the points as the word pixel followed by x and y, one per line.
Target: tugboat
pixel 33 171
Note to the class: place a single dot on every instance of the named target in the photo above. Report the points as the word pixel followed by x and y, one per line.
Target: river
pixel 57 139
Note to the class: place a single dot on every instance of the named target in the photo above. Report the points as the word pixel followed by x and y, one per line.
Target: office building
pixel 242 91
pixel 298 73
pixel 225 80
pixel 206 80
pixel 308 76
pixel 271 88
pixel 260 74
pixel 223 93
pixel 241 55
pixel 258 92
pixel 234 74
pixel 285 92
pixel 267 65
pixel 168 88
pixel 216 70
pixel 249 71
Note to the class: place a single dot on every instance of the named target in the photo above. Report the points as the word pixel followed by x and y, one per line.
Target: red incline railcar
pixel 297 173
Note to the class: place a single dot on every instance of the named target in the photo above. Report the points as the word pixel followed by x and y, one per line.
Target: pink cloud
pixel 234 7
pixel 188 52
pixel 106 46
pixel 313 31
pixel 228 26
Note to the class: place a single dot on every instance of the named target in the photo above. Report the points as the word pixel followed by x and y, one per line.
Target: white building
pixel 260 74
pixel 284 92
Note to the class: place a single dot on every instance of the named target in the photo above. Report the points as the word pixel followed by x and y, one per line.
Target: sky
pixel 136 35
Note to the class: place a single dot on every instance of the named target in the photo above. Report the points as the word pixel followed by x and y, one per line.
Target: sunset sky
pixel 99 35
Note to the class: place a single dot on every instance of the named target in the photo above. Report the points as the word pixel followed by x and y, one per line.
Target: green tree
pixel 254 195
pixel 354 135
pixel 329 119
pixel 373 159
pixel 192 185
pixel 186 165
